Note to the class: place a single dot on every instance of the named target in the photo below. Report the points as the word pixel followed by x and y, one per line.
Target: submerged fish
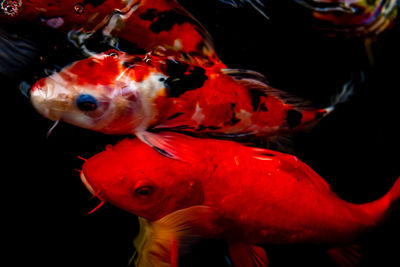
pixel 340 17
pixel 353 17
pixel 148 25
pixel 117 93
pixel 224 190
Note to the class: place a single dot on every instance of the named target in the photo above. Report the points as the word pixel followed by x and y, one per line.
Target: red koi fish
pixel 117 93
pixel 224 190
pixel 146 24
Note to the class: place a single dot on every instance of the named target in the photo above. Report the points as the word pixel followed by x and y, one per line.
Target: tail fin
pixel 346 92
pixel 381 209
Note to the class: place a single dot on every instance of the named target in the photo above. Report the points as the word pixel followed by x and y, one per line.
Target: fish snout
pixel 46 101
pixel 86 183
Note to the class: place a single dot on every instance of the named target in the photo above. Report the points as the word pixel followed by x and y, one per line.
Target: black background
pixel 356 148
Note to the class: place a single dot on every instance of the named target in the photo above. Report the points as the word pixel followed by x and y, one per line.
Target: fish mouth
pixel 45 102
pixel 86 183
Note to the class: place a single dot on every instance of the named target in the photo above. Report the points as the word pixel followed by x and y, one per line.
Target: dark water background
pixel 356 148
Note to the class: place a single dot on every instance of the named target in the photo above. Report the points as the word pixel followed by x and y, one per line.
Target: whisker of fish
pixel 52 128
pixel 81 158
pixel 25 88
pixel 97 207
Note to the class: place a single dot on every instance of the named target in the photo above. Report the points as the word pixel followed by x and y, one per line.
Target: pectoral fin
pixel 246 255
pixel 169 144
pixel 162 242
pixel 346 256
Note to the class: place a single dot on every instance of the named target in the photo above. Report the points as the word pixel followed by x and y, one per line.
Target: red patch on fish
pixel 95 71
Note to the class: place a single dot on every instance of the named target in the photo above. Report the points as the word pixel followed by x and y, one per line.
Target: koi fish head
pixel 125 175
pixel 100 93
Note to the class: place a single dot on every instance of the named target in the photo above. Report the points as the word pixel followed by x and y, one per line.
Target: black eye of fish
pixel 86 102
pixel 144 191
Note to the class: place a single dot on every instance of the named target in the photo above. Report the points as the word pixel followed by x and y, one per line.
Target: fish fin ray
pixel 258 5
pixel 346 91
pixel 290 162
pixel 256 81
pixel 160 243
pixel 17 54
pixel 346 256
pixel 246 255
pixel 169 144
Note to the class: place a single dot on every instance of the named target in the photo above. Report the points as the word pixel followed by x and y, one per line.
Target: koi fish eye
pixel 86 102
pixel 144 191
pixel 11 7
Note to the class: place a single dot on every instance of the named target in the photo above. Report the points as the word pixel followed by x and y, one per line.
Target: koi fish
pixel 141 25
pixel 117 93
pixel 353 17
pixel 341 17
pixel 224 190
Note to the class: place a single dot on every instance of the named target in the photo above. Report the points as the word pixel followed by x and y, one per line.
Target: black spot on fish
pixel 263 107
pixel 163 152
pixel 201 128
pixel 91 63
pixel 293 118
pixel 268 154
pixel 167 19
pixel 131 62
pixel 175 68
pixel 94 3
pixel 175 115
pixel 149 15
pixel 182 79
pixel 256 98
pixel 213 127
pixel 234 119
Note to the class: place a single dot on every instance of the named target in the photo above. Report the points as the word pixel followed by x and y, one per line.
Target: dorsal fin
pixel 291 163
pixel 256 81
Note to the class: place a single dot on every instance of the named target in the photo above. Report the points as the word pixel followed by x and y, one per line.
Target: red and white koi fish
pixel 224 190
pixel 117 93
